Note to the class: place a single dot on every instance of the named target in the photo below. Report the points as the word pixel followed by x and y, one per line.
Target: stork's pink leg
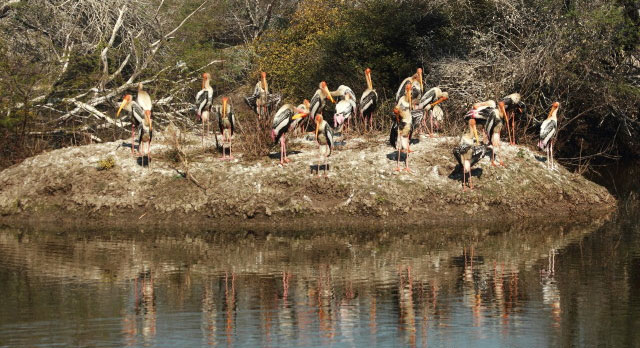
pixel 398 159
pixel 132 138
pixel 513 128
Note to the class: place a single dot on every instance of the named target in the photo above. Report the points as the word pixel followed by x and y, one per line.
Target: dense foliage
pixel 55 60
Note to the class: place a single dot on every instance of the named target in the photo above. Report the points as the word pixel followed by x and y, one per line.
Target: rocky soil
pixel 66 185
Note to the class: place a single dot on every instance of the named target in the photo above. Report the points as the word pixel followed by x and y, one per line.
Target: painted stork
pixel 324 138
pixel 416 84
pixel 227 124
pixel 429 103
pixel 549 133
pixel 341 94
pixel 368 101
pixel 142 119
pixel 344 112
pixel 286 118
pixel 404 122
pixel 512 105
pixel 316 106
pixel 204 100
pixel 469 152
pixel 482 112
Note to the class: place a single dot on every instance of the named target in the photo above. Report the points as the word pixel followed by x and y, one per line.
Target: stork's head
pixel 325 90
pixel 125 102
pixel 263 79
pixel 445 95
pixel 140 87
pixel 225 100
pixel 367 75
pixel 205 79
pixel 554 109
pixel 503 111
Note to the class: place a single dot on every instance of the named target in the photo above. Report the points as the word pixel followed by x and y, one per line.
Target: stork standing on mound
pixel 468 153
pixel 549 133
pixel 404 123
pixel 227 124
pixel 142 120
pixel 344 111
pixel 368 101
pixel 204 101
pixel 317 104
pixel 415 81
pixel 285 119
pixel 324 138
pixel 429 103
pixel 512 106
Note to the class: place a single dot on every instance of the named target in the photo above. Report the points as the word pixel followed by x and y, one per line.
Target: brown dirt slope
pixel 65 184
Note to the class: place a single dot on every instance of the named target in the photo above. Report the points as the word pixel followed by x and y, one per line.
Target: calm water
pixel 530 284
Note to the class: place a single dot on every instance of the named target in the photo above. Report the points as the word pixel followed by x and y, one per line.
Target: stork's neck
pixel 553 114
pixel 207 84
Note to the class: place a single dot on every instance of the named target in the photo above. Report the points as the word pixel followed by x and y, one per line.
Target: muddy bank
pixel 65 185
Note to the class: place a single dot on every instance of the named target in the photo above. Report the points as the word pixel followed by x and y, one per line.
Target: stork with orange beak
pixel 511 106
pixel 285 119
pixel 549 133
pixel 317 104
pixel 469 152
pixel 416 83
pixel 227 124
pixel 141 119
pixel 204 100
pixel 429 103
pixel 404 121
pixel 368 101
pixel 324 138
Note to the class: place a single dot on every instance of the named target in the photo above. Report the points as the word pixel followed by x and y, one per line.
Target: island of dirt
pixel 67 185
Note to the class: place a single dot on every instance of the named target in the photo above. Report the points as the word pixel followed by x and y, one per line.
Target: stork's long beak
pixel 420 77
pixel 503 111
pixel 300 115
pixel 122 105
pixel 326 90
pixel 264 81
pixel 224 107
pixel 440 100
pixel 369 82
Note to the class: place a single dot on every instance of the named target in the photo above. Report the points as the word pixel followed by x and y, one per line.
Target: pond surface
pixel 529 284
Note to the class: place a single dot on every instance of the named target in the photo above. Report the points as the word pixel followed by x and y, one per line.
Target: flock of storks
pixel 412 105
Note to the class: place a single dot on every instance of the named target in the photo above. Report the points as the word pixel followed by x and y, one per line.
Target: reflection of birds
pixel 404 127
pixel 227 123
pixel 415 81
pixel 429 103
pixel 513 106
pixel 286 118
pixel 549 133
pixel 368 101
pixel 204 100
pixel 324 137
pixel 469 152
pixel 142 120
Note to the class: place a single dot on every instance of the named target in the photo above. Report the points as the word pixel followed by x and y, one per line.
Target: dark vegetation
pixel 64 66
